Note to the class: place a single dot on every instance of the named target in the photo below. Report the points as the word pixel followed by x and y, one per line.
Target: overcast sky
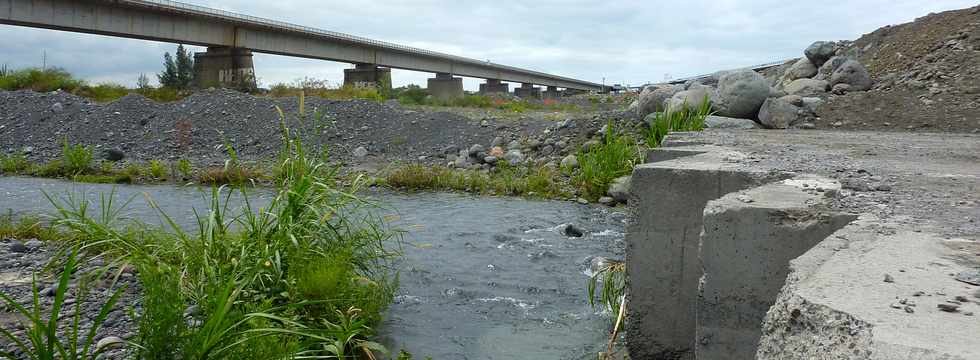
pixel 626 42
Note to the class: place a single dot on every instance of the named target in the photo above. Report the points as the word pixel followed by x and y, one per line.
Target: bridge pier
pixel 445 87
pixel 224 66
pixel 528 91
pixel 551 93
pixel 368 75
pixel 493 86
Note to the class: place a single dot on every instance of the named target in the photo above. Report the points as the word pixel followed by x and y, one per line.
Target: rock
pixel 360 152
pixel 497 142
pixel 775 93
pixel 108 342
pixel 513 144
pixel 806 87
pixel 948 307
pixel 57 107
pixel 50 290
pixel 740 94
pixel 491 160
pixel 852 73
pixel 17 247
pixel 691 98
pixel 970 277
pixel 588 145
pixel 801 69
pixel 547 150
pixel 497 151
pixel 582 201
pixel 722 122
pixel 475 149
pixel 514 157
pixel 608 201
pixel 812 103
pixel 793 99
pixel 620 188
pixel 779 114
pixel 27 150
pixel 652 99
pixel 571 230
pixel 569 162
pixel 33 244
pixel 828 68
pixel 451 149
pixel 889 279
pixel 855 184
pixel 113 155
pixel 840 89
pixel 819 52
pixel 461 162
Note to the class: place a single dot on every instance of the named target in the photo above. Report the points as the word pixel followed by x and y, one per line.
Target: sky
pixel 615 42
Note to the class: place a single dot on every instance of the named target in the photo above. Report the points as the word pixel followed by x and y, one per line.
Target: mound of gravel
pixel 926 76
pixel 197 127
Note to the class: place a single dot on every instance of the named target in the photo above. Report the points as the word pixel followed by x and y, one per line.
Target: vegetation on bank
pixel 306 276
pixel 504 180
pixel 51 79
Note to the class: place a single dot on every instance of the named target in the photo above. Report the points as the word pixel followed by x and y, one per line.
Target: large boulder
pixel 852 73
pixel 825 70
pixel 721 122
pixel 819 52
pixel 801 69
pixel 779 113
pixel 806 87
pixel 652 99
pixel 692 98
pixel 740 94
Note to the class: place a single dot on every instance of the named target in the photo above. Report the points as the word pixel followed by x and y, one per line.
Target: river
pixel 481 277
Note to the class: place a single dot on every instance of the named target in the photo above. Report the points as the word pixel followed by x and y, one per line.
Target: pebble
pixel 948 307
pixel 571 230
pixel 889 279
pixel 17 247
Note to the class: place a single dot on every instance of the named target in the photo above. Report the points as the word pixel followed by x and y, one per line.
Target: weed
pixel 157 169
pixel 184 168
pixel 613 157
pixel 683 119
pixel 13 164
pixel 76 159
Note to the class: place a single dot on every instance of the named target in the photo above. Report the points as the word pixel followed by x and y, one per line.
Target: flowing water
pixel 481 277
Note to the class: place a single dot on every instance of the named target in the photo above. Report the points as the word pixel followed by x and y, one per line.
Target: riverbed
pixel 481 277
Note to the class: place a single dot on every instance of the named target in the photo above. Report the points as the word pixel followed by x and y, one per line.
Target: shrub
pixel 103 92
pixel 39 80
pixel 410 95
pixel 14 164
pixel 184 168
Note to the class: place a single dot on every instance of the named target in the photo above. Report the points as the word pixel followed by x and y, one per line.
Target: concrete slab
pixel 871 291
pixel 748 240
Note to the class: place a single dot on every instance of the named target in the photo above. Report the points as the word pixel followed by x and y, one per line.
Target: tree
pixel 177 74
pixel 142 82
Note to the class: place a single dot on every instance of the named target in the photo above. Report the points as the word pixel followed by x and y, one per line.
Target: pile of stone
pixel 746 99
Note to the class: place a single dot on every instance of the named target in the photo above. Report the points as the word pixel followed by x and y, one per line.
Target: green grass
pixel 307 276
pixel 51 79
pixel 503 180
pixel 75 159
pixel 683 119
pixel 614 156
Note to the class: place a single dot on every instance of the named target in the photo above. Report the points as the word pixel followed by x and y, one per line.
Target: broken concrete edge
pixel 747 241
pixel 837 302
pixel 802 323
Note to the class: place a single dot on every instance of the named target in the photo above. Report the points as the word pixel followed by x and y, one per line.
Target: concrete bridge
pixel 231 38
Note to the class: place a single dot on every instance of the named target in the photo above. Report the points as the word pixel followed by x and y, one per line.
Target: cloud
pixel 626 41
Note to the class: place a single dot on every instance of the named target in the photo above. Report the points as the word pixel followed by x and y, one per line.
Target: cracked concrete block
pixel 662 246
pixel 748 241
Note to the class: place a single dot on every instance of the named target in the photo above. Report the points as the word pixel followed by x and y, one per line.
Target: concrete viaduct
pixel 231 38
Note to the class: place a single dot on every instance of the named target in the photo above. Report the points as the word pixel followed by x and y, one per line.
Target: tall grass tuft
pixel 613 157
pixel 307 275
pixel 683 119
pixel 76 159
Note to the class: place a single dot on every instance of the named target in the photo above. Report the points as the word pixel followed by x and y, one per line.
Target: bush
pixel 39 80
pixel 613 157
pixel 103 92
pixel 410 95
pixel 158 170
pixel 14 164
